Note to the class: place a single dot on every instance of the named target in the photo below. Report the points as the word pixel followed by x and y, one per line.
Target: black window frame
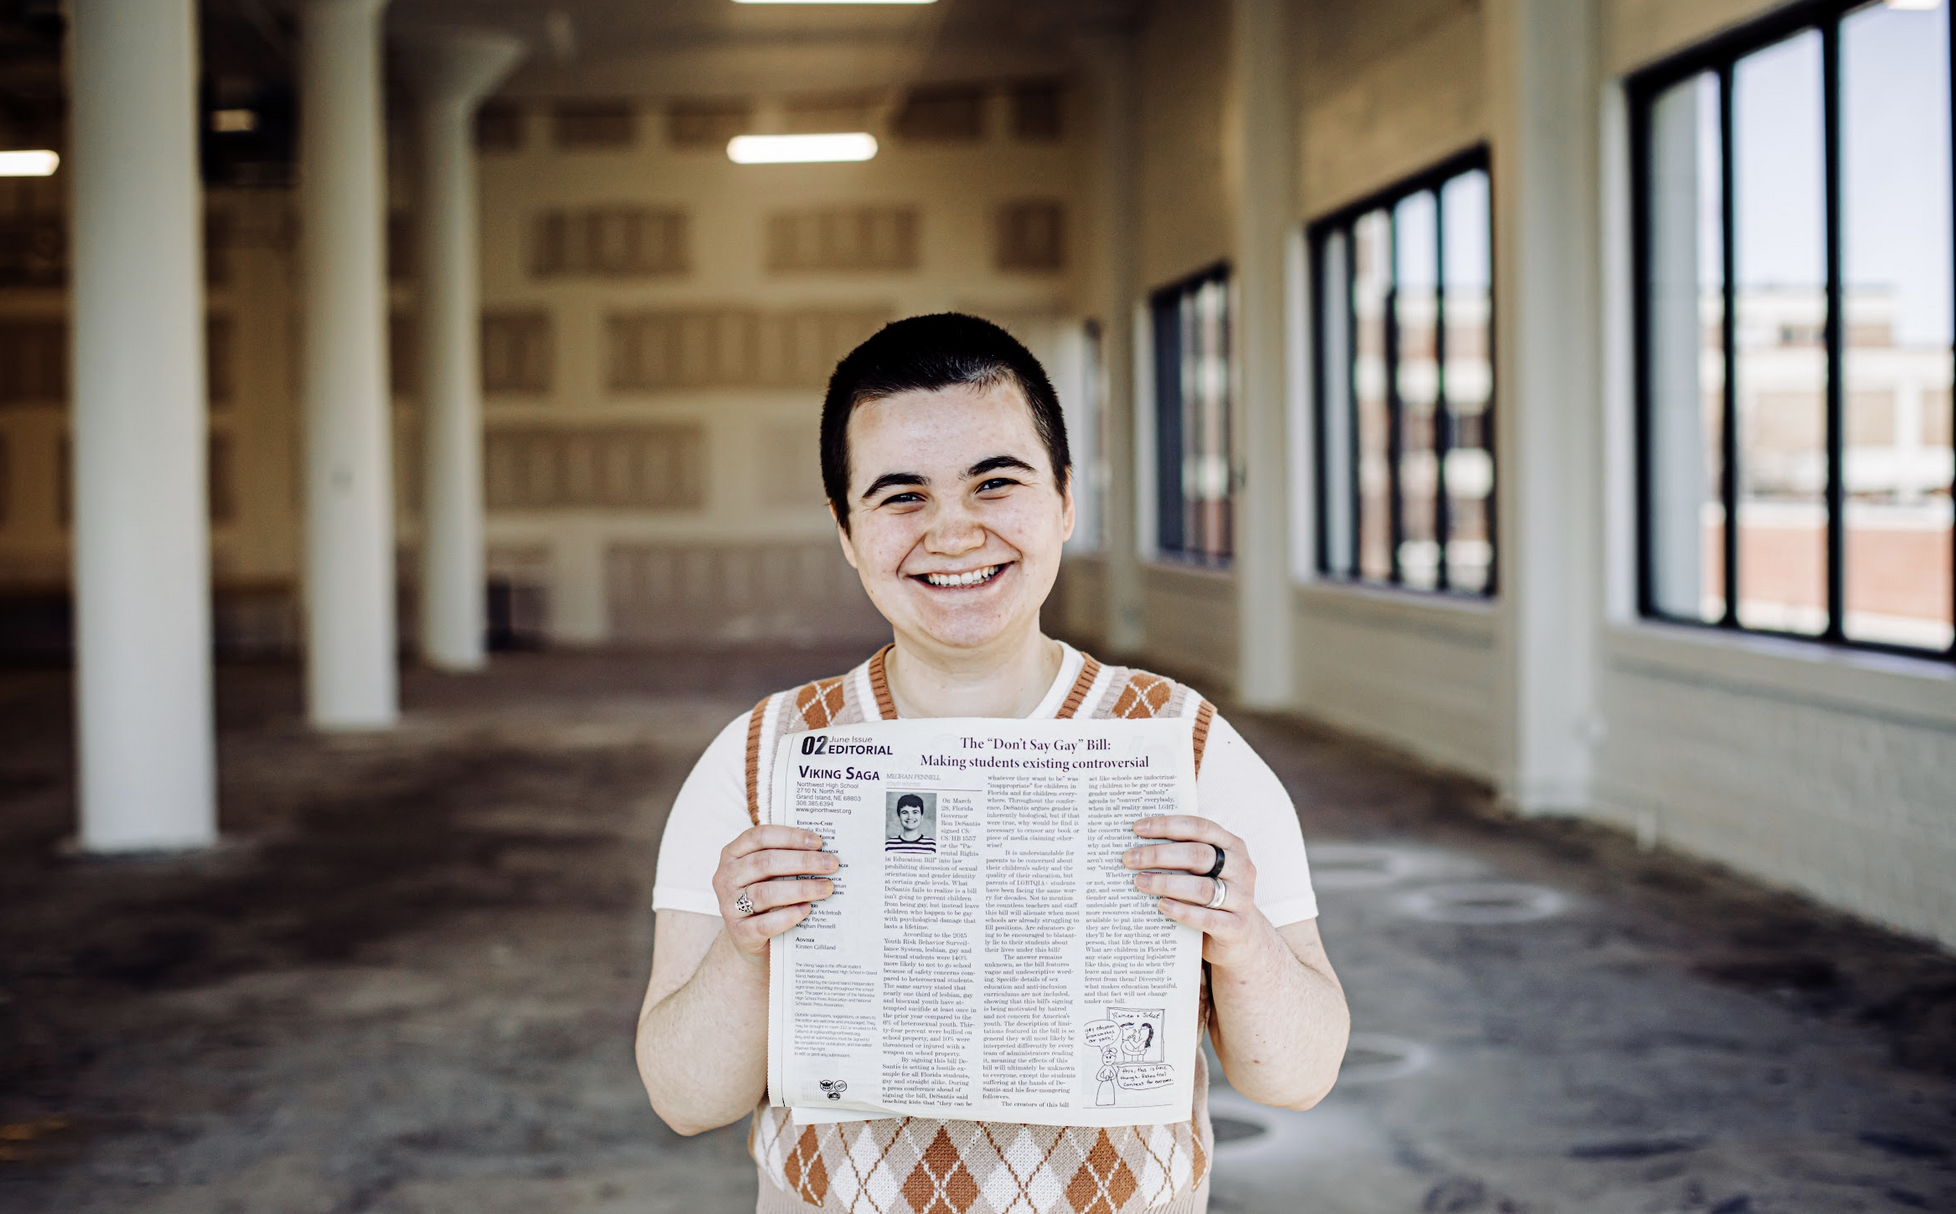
pixel 1317 235
pixel 1720 56
pixel 1171 498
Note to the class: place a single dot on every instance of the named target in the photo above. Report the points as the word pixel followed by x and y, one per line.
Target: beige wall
pixel 1385 90
pixel 1186 214
pixel 681 498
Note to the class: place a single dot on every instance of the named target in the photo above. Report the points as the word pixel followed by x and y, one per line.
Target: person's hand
pixel 1189 850
pixel 782 871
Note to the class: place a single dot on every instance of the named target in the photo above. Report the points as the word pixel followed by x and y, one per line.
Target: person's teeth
pixel 972 578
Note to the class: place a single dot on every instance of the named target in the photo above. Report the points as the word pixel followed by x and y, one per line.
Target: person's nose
pixel 954 532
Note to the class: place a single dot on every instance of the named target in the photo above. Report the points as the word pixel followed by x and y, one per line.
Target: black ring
pixel 1215 870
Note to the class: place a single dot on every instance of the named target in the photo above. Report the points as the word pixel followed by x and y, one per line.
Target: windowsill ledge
pixel 1458 620
pixel 1920 692
pixel 1174 565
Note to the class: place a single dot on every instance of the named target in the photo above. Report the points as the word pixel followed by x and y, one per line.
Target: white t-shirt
pixel 1235 788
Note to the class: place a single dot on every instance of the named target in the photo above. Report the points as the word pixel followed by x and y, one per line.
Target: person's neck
pixel 998 681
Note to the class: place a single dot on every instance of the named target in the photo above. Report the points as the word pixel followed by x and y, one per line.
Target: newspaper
pixel 985 955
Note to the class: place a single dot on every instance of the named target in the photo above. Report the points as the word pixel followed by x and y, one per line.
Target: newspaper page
pixel 985 955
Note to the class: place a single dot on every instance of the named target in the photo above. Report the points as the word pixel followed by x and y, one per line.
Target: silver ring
pixel 744 904
pixel 1222 891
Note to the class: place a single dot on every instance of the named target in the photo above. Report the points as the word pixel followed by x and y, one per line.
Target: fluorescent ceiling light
pixel 835 1
pixel 1918 6
pixel 28 164
pixel 801 149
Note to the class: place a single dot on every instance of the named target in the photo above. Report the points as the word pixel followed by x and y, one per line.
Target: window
pixel 953 112
pixel 1794 337
pixel 1031 236
pixel 1193 452
pixel 1405 384
pixel 609 242
pixel 516 350
pixel 595 124
pixel 842 238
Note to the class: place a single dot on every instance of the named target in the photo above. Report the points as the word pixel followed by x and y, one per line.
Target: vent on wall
pixel 403 356
pixel 622 468
pixel 707 122
pixel 595 124
pixel 842 238
pixel 1032 236
pixel 614 242
pixel 220 478
pixel 219 231
pixel 1038 114
pixel 33 361
pixel 732 347
pixel 33 251
pixel 799 591
pixel 218 380
pixel 516 352
pixel 499 127
pixel 829 112
pixel 953 112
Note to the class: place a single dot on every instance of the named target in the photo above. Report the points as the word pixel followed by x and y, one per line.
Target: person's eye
pixel 903 499
pixel 997 483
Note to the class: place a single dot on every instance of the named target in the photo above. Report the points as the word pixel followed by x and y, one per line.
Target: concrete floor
pixel 408 983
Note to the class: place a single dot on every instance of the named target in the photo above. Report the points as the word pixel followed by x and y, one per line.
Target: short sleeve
pixel 1237 789
pixel 710 810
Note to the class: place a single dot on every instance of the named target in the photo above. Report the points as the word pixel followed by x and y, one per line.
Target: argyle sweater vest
pixel 918 1165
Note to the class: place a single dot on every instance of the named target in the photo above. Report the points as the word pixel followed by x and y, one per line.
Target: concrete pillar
pixel 1263 147
pixel 147 776
pixel 1545 94
pixel 1109 53
pixel 451 71
pixel 351 681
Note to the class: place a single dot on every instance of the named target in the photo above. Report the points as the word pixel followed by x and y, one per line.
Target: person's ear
pixel 1068 515
pixel 842 537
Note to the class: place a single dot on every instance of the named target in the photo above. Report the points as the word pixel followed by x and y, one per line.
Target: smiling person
pixel 945 462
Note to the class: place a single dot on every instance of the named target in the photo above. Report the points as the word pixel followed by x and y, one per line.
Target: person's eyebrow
pixel 996 462
pixel 890 480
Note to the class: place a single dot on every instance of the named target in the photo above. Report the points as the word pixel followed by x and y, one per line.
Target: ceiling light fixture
pixel 835 1
pixel 801 149
pixel 28 164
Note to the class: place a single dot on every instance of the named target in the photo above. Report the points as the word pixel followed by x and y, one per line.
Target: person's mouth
pixel 967 580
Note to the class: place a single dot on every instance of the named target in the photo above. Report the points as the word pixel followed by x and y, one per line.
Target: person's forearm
pixel 702 1050
pixel 1279 1026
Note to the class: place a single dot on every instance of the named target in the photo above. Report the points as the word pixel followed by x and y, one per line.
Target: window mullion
pixel 1952 395
pixel 1355 483
pixel 1395 411
pixel 1836 331
pixel 1320 377
pixel 1442 412
pixel 1728 438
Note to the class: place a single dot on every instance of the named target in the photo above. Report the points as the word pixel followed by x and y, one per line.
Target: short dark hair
pixel 926 353
pixel 910 798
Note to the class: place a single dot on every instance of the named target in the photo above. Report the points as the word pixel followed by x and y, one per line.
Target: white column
pixel 1260 61
pixel 451 71
pixel 142 545
pixel 351 681
pixel 1544 96
pixel 1109 53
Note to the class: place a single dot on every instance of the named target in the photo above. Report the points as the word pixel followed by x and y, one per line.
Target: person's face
pixel 956 516
pixel 911 816
pixel 1134 1037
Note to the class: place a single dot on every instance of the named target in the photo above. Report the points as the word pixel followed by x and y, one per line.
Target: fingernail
pixel 1127 858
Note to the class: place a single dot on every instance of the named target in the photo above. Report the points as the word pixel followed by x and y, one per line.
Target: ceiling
pixel 654 48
